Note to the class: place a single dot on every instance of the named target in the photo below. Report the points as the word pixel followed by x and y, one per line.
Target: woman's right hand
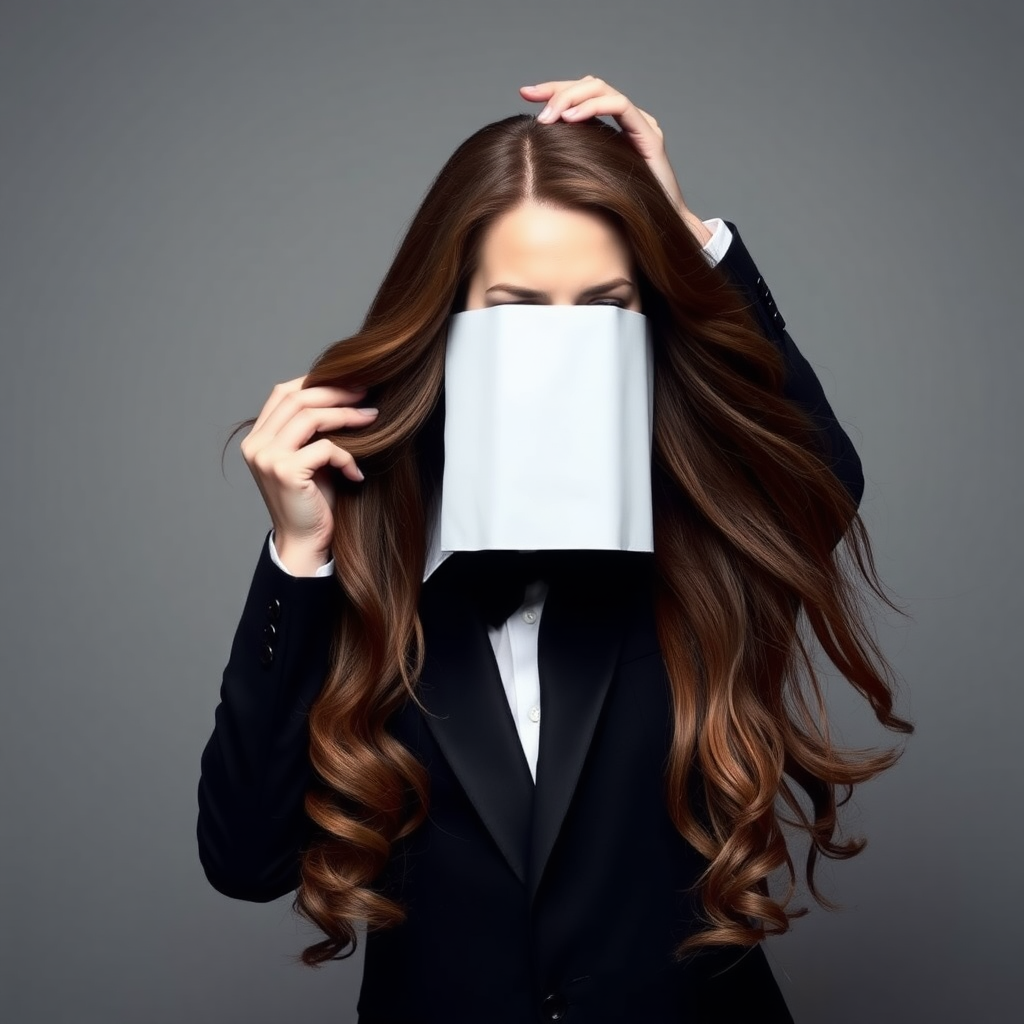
pixel 291 474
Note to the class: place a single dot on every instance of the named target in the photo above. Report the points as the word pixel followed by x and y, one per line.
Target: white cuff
pixel 719 241
pixel 323 570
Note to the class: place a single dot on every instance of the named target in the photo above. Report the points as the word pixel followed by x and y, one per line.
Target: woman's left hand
pixel 580 98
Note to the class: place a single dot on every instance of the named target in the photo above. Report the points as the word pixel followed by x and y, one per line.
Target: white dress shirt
pixel 515 641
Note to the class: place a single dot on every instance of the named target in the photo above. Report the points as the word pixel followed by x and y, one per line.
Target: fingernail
pixel 544 114
pixel 359 473
pixel 368 411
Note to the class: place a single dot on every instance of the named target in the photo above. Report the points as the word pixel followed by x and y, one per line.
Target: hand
pixel 290 473
pixel 580 98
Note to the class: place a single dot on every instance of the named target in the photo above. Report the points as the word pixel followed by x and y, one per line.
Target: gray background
pixel 198 197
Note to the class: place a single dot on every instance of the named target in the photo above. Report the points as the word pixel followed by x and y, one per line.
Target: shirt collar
pixel 435 556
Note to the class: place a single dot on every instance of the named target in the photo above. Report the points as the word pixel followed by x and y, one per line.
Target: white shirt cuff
pixel 719 241
pixel 323 570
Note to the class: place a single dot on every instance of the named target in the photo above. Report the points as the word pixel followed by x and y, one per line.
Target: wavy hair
pixel 747 523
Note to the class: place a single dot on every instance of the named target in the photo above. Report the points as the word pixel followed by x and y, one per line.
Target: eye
pixel 596 302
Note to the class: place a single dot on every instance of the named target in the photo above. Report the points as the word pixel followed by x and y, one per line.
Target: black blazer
pixel 560 901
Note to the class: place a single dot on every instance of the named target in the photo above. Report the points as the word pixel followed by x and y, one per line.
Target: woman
pixel 364 752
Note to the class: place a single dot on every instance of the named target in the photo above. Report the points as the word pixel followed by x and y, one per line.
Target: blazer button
pixel 554 1006
pixel 274 610
pixel 270 632
pixel 266 654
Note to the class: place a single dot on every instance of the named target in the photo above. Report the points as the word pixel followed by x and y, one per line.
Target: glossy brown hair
pixel 747 523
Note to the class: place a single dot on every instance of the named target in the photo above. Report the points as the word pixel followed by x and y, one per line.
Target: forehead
pixel 539 241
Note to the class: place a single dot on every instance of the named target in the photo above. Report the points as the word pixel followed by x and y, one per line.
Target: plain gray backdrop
pixel 199 197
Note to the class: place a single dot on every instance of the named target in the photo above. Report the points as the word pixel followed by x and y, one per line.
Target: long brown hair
pixel 748 523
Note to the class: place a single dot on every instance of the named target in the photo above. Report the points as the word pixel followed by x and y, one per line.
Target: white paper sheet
pixel 549 414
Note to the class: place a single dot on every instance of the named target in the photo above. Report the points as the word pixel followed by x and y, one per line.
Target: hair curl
pixel 747 523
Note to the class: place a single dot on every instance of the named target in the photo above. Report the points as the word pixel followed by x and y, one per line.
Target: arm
pixel 255 767
pixel 802 384
pixel 593 97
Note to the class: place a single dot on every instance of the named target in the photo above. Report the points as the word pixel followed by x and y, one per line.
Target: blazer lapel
pixel 468 714
pixel 581 632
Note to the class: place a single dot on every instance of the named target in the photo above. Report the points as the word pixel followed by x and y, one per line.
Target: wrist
pixel 697 227
pixel 300 560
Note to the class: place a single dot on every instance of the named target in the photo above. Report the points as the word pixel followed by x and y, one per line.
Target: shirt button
pixel 534 713
pixel 529 615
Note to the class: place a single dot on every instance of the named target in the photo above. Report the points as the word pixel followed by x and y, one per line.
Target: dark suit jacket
pixel 560 901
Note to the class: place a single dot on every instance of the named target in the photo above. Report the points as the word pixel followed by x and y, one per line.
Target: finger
pixel 296 384
pixel 560 93
pixel 325 453
pixel 291 395
pixel 626 115
pixel 642 130
pixel 276 394
pixel 574 94
pixel 648 118
pixel 296 431
pixel 559 83
pixel 547 88
pixel 342 458
pixel 290 408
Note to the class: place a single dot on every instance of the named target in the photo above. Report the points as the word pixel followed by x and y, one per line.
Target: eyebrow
pixel 530 293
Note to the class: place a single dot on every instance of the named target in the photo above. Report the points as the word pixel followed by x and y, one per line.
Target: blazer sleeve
pixel 254 769
pixel 802 385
